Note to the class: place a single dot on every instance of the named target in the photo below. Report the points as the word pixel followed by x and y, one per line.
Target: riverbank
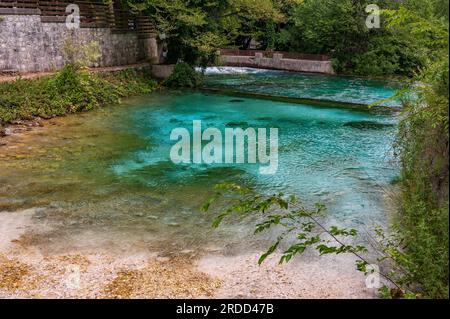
pixel 70 90
pixel 28 270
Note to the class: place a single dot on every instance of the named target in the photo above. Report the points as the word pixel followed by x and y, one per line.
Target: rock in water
pixel 367 125
pixel 237 124
pixel 264 119
pixel 6 132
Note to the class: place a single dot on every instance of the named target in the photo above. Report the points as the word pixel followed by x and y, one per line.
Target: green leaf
pixel 361 266
pixel 210 201
pixel 269 252
pixel 218 220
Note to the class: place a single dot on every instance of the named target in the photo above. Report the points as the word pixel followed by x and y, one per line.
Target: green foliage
pixel 386 55
pixel 338 28
pixel 293 221
pixel 70 90
pixel 299 229
pixel 196 29
pixel 80 55
pixel 184 76
pixel 270 36
pixel 424 219
pixel 419 243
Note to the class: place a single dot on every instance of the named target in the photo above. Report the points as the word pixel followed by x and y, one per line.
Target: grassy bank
pixel 70 90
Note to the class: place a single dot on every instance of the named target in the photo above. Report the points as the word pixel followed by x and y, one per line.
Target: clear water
pixel 104 178
pixel 299 85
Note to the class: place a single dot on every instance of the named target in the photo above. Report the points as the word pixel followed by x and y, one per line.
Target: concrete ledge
pixel 278 63
pixel 162 71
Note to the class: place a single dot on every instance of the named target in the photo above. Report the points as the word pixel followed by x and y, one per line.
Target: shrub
pixel 184 76
pixel 424 220
pixel 70 90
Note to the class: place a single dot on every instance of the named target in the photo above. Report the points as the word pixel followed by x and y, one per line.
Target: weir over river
pixel 104 178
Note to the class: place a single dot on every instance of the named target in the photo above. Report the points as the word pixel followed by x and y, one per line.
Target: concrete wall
pixel 29 45
pixel 162 71
pixel 279 63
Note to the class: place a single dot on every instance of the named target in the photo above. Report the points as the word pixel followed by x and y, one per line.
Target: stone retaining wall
pixel 29 45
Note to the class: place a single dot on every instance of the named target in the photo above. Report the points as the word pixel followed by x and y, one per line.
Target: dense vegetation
pixel 197 28
pixel 338 28
pixel 70 90
pixel 423 222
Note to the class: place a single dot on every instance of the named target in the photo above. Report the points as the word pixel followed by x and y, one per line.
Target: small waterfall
pixel 230 70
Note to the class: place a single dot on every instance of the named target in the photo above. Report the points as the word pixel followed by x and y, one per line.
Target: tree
pixel 197 28
pixel 338 28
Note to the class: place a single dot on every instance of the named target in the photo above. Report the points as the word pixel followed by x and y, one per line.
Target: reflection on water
pixel 105 177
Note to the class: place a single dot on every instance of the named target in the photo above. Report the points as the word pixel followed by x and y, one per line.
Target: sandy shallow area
pixel 28 271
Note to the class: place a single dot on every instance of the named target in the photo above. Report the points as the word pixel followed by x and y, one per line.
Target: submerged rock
pixel 173 224
pixel 368 125
pixel 187 251
pixel 40 213
pixel 6 132
pixel 153 200
pixel 237 124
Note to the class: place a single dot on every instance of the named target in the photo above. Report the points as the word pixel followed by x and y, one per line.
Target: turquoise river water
pixel 105 177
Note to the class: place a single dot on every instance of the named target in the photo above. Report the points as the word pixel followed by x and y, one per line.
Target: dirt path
pixel 36 75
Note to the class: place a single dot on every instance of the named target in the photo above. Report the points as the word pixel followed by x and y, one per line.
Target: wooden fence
pixel 93 14
pixel 22 4
pixel 269 54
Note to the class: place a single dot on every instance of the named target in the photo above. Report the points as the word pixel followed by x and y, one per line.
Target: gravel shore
pixel 27 271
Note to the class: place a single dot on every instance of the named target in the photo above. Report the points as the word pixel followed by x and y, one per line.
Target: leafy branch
pixel 285 211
